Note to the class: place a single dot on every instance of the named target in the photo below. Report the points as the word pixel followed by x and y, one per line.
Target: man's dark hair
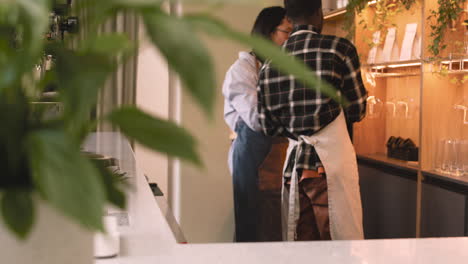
pixel 301 9
pixel 267 21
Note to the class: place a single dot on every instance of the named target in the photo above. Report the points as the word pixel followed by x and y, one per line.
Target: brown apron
pixel 270 175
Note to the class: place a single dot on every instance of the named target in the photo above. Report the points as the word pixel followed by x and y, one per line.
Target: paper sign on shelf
pixel 395 52
pixel 371 59
pixel 379 57
pixel 389 46
pixel 408 41
pixel 417 48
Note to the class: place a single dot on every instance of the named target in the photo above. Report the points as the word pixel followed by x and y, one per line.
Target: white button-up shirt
pixel 240 92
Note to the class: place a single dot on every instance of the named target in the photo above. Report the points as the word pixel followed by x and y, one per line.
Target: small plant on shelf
pixel 444 71
pixel 444 18
pixel 385 12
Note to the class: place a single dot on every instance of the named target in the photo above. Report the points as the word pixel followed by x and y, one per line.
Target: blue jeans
pixel 249 151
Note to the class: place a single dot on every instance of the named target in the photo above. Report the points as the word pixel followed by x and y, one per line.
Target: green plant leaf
pixel 95 13
pixel 110 45
pixel 36 15
pixel 159 135
pixel 265 49
pixel 185 54
pixel 114 193
pixel 80 78
pixel 18 211
pixel 66 179
pixel 23 25
pixel 446 13
pixel 14 111
pixel 169 34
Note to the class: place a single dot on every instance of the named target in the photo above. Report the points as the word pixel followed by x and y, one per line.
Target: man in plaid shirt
pixel 289 108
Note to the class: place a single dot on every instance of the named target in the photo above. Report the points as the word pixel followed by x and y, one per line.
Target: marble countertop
pixel 148 237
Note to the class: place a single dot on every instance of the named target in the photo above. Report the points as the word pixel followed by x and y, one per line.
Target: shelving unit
pixel 413 99
pixel 394 69
pixel 334 22
pixel 457 64
pixel 335 14
pixel 430 82
pixel 394 65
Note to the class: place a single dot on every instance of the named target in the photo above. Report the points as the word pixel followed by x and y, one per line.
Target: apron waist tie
pixel 292 210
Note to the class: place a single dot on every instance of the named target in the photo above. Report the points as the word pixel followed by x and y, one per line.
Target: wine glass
pixel 374 107
pixel 463 107
pixel 391 107
pixel 406 108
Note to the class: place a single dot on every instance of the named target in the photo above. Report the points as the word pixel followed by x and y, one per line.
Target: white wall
pixel 152 96
pixel 206 206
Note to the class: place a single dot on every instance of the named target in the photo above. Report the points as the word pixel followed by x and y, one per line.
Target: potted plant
pixel 385 12
pixel 445 17
pixel 43 171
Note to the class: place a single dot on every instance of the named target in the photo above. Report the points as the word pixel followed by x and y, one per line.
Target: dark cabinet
pixel 443 208
pixel 388 201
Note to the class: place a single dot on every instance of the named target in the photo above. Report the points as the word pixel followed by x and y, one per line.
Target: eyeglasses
pixel 284 31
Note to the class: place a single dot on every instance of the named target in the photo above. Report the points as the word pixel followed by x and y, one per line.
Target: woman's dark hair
pixel 267 21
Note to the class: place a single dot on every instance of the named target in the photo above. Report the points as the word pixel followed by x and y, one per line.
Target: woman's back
pixel 240 93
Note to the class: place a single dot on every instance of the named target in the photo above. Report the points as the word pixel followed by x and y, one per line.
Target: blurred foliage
pixel 40 153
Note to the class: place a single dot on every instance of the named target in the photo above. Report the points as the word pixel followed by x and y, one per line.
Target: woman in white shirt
pixel 250 148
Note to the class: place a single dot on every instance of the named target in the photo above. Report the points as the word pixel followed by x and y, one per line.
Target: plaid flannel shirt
pixel 288 108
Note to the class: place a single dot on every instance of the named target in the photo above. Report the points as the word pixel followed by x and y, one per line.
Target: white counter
pixel 148 238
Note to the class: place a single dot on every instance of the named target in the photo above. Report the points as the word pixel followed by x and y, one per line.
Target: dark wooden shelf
pixel 396 167
pixel 335 14
pixel 395 162
pixel 457 183
pixel 396 64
